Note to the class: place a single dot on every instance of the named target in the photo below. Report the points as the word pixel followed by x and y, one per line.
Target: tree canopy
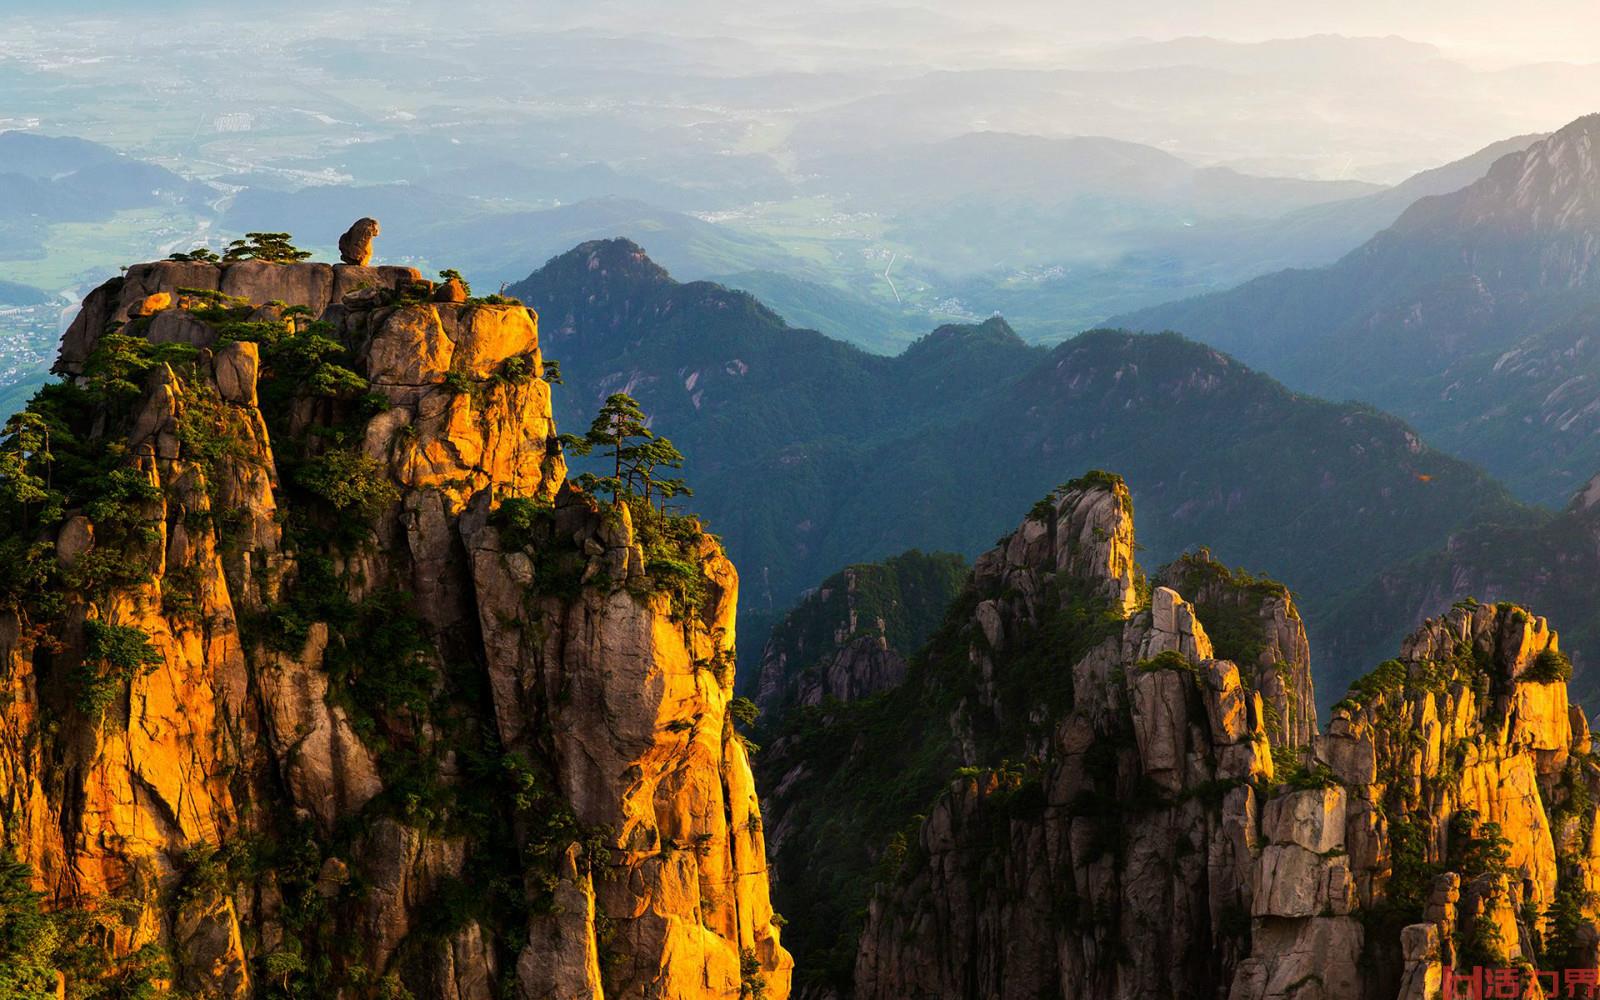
pixel 277 248
pixel 621 431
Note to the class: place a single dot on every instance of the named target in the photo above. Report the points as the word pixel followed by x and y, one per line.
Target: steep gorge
pixel 321 680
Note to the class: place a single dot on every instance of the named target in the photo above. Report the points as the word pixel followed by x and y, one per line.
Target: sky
pixel 1491 30
pixel 1433 90
pixel 1488 33
pixel 1566 30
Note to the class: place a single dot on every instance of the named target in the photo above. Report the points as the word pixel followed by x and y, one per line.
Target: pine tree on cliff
pixel 28 937
pixel 636 453
pixel 658 453
pixel 616 427
pixel 24 446
pixel 277 248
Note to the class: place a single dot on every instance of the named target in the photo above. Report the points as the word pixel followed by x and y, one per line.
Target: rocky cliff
pixel 1254 623
pixel 1120 790
pixel 320 679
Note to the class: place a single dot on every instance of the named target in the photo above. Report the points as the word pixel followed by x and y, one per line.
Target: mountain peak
pixel 994 330
pixel 1553 185
pixel 1560 177
pixel 608 280
pixel 616 255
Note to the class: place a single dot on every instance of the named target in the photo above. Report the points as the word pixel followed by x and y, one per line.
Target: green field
pixel 80 253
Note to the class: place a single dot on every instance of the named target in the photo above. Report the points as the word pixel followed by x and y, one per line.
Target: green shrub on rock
pixel 113 656
pixel 1548 667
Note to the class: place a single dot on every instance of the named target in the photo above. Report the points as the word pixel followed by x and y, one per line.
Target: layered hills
pixel 53 179
pixel 1056 232
pixel 811 454
pixel 1471 317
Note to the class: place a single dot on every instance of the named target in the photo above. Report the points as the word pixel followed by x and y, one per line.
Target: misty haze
pixel 849 501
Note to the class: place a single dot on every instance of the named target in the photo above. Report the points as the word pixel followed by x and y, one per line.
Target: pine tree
pixel 637 455
pixel 619 429
pixel 659 453
pixel 25 447
pixel 201 255
pixel 273 247
pixel 451 274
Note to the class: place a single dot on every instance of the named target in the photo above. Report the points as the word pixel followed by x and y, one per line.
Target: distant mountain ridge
pixel 1459 287
pixel 1321 234
pixel 47 179
pixel 1553 186
pixel 1056 232
pixel 1278 54
pixel 12 293
pixel 1051 169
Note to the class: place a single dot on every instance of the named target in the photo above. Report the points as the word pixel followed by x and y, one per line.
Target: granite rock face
pixel 316 287
pixel 342 687
pixel 1257 623
pixel 1137 830
pixel 1179 825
